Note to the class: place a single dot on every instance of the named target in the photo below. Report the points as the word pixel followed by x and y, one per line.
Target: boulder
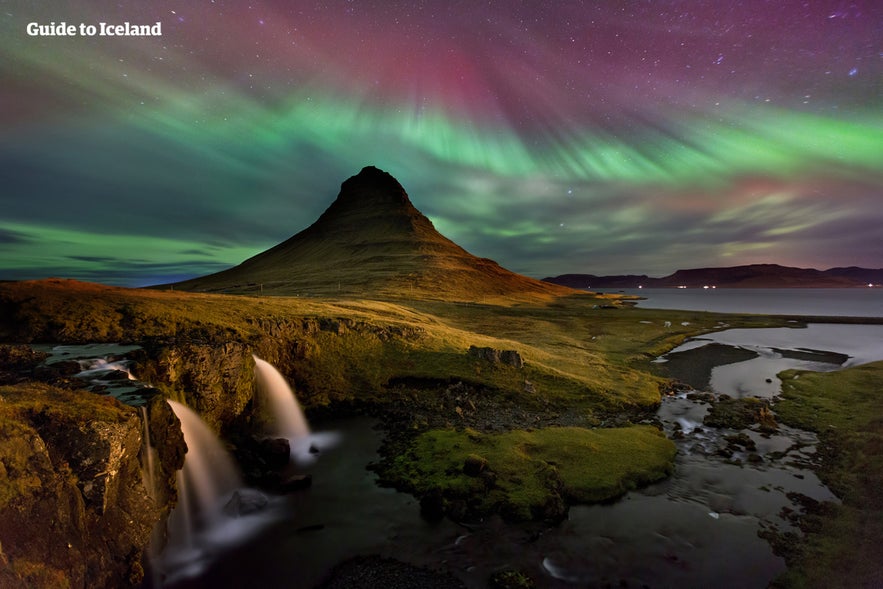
pixel 245 502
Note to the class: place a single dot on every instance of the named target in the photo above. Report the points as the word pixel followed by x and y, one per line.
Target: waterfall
pixel 208 471
pixel 288 418
pixel 149 465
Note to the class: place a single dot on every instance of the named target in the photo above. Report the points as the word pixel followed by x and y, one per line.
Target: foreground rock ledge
pixel 74 511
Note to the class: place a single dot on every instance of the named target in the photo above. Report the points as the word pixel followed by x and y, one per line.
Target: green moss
pixel 530 474
pixel 842 544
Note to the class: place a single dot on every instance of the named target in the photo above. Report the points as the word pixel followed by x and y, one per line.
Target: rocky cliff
pixel 75 509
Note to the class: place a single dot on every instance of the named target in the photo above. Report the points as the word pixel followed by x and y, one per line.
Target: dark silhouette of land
pixel 751 276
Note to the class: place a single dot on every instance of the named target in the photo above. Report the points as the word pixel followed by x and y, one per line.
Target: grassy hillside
pixel 576 352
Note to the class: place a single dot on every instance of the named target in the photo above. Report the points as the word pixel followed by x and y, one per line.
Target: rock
pixel 245 502
pixel 741 439
pixel 741 414
pixel 297 482
pixel 275 452
pixel 114 375
pixel 474 465
pixel 432 505
pixel 511 358
pixel 494 356
pixel 20 357
pixel 73 507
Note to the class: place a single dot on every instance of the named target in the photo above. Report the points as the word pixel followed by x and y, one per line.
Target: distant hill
pixel 372 242
pixel 751 276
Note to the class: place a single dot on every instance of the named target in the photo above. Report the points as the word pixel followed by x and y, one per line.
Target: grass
pixel 842 545
pixel 576 353
pixel 530 474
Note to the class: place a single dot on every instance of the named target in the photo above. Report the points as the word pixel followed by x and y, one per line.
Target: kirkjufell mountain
pixel 373 242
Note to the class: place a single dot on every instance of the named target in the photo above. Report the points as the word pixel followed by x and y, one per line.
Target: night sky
pixel 601 137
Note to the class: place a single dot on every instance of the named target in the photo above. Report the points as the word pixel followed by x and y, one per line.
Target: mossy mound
pixel 527 475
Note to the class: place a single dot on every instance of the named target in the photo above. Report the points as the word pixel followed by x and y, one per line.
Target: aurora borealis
pixel 595 137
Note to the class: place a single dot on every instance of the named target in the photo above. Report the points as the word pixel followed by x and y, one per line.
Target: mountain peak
pixel 373 242
pixel 374 185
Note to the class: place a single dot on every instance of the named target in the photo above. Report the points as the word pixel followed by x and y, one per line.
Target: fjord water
pixel 832 302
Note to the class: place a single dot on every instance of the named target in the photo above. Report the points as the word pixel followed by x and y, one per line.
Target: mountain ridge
pixel 744 276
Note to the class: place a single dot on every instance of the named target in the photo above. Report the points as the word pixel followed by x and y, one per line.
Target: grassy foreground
pixel 842 546
pixel 530 474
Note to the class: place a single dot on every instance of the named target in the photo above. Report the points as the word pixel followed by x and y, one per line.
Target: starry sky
pixel 605 137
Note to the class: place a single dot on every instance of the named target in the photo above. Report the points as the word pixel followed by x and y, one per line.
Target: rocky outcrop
pixel 215 380
pixel 74 508
pixel 494 356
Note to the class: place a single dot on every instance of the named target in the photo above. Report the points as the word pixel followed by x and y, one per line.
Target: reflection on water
pixel 820 347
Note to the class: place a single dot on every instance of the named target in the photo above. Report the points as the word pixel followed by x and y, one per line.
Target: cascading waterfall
pixel 288 418
pixel 209 474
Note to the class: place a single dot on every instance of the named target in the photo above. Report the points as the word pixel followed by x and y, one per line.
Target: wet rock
pixel 701 397
pixel 261 459
pixel 733 413
pixel 114 375
pixel 297 482
pixel 245 502
pixel 741 440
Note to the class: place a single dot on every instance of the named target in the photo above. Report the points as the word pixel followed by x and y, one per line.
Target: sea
pixel 836 302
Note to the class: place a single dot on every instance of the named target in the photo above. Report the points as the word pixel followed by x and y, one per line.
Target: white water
pixel 208 469
pixel 200 529
pixel 288 418
pixel 99 366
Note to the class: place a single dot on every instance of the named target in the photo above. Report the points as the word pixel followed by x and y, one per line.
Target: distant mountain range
pixel 372 242
pixel 751 276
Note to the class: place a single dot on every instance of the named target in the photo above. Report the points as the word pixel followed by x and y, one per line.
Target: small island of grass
pixel 528 474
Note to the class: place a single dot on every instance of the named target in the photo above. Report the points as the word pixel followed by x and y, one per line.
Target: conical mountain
pixel 373 242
